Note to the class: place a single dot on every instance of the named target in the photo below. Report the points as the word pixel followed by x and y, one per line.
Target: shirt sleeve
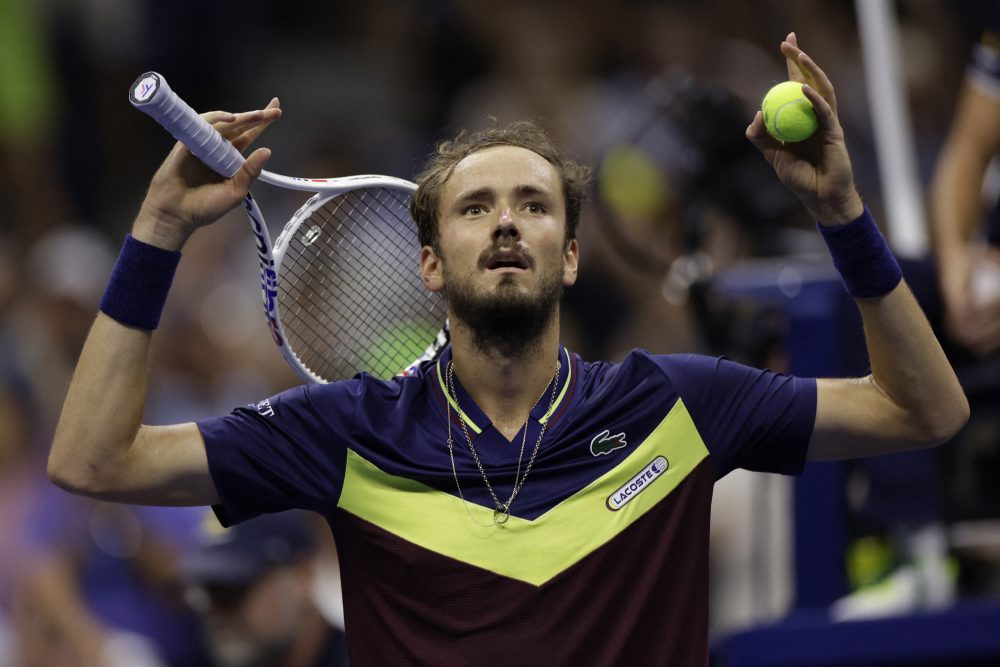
pixel 749 418
pixel 285 452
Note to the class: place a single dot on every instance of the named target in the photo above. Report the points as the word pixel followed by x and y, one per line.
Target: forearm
pixel 103 409
pixel 956 204
pixel 956 192
pixel 102 413
pixel 909 367
pixel 912 397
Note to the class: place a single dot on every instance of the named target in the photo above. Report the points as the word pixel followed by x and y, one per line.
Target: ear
pixel 431 269
pixel 571 262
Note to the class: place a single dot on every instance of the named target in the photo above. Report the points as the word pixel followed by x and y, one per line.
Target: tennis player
pixel 509 503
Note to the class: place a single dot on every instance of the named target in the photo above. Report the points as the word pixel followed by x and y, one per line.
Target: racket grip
pixel 150 93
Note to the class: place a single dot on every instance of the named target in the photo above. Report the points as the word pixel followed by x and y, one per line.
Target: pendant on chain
pixel 502 512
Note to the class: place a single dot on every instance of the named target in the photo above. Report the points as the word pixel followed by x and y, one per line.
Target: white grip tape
pixel 150 93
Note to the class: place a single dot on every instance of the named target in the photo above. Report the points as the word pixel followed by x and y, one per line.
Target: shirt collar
pixel 476 419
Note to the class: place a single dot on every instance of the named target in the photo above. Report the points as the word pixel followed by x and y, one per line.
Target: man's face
pixel 502 236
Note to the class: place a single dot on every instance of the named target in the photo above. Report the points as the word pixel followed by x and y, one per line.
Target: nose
pixel 506 226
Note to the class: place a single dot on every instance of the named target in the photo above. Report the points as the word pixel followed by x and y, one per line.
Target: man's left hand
pixel 818 170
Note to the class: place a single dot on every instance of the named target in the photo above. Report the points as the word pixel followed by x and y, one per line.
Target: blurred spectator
pixel 253 586
pixel 902 563
pixel 101 586
pixel 967 242
pixel 965 199
pixel 21 478
pixel 81 582
pixel 542 60
pixel 64 273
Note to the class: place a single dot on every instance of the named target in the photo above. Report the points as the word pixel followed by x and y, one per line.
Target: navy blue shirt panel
pixel 749 418
pixel 290 450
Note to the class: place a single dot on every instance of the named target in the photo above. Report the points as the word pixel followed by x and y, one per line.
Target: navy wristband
pixel 139 284
pixel 862 257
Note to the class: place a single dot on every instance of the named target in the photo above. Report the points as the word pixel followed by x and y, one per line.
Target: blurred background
pixel 689 244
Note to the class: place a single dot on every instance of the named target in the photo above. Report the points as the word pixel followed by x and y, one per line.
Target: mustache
pixel 516 251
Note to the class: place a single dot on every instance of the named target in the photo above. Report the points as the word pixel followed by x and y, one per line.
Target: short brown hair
pixel 575 177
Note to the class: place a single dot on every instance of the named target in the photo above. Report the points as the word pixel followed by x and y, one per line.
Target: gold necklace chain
pixel 502 511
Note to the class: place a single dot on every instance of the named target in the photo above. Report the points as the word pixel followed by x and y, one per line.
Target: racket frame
pixel 151 94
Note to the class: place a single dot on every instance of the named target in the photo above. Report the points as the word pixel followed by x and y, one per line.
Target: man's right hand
pixel 185 194
pixel 100 447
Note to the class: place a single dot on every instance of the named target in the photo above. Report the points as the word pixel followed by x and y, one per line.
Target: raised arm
pixel 957 213
pixel 100 447
pixel 912 397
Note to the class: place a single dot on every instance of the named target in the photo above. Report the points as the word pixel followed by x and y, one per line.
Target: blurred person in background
pixel 48 319
pixel 21 481
pixel 254 588
pixel 101 587
pixel 965 218
pixel 543 63
pixel 902 560
pixel 967 233
pixel 82 583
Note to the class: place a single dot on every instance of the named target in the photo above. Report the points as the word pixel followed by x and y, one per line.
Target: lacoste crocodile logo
pixel 605 443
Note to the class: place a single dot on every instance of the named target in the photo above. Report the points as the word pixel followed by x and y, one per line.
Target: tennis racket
pixel 341 289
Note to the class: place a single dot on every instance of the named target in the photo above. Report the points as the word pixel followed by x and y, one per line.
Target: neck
pixel 505 386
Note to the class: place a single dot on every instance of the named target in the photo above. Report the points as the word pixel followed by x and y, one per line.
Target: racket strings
pixel 350 293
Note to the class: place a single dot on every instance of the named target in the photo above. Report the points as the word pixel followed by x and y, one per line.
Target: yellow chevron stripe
pixel 530 551
pixel 474 427
pixel 454 404
pixel 562 393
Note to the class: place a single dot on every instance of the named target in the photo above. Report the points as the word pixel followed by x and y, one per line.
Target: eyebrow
pixel 487 193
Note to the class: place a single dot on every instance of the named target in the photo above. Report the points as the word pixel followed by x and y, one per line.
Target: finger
pixel 817 78
pixel 794 41
pixel 250 171
pixel 759 137
pixel 756 129
pixel 213 117
pixel 790 49
pixel 824 112
pixel 251 134
pixel 243 121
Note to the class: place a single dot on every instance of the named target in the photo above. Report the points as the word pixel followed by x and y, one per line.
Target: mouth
pixel 507 261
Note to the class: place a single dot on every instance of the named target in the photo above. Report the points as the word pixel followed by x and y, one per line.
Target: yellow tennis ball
pixel 788 114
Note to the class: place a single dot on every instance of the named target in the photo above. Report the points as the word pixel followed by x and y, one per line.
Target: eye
pixel 534 207
pixel 474 209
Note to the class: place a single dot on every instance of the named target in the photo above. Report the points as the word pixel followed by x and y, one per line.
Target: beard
pixel 505 320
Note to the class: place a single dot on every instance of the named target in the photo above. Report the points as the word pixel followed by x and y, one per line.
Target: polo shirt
pixel 604 559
